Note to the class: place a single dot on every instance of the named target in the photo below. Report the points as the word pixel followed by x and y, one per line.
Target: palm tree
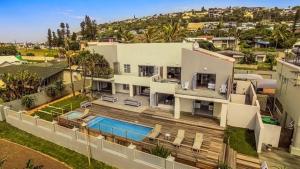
pixel 280 32
pixel 150 34
pixel 172 32
pixel 125 35
pixel 83 61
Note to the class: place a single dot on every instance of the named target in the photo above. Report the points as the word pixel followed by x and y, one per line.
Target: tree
pixel 280 33
pixel 68 30
pixel 8 50
pixel 88 28
pixel 27 101
pixel 296 19
pixel 54 39
pixel 150 34
pixel 82 59
pixel 248 58
pixel 74 36
pixel 172 32
pixel 49 38
pixel 207 45
pixel 19 84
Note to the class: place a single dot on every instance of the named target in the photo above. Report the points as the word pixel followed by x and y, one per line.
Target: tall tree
pixel 280 33
pixel 54 39
pixel 49 38
pixel 68 33
pixel 172 32
pixel 296 19
pixel 63 29
pixel 150 34
pixel 74 36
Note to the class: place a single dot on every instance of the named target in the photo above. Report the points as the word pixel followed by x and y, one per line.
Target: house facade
pixel 287 103
pixel 224 42
pixel 174 76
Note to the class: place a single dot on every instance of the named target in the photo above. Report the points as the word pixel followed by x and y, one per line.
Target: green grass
pixel 72 158
pixel 242 140
pixel 75 101
pixel 39 52
pixel 264 66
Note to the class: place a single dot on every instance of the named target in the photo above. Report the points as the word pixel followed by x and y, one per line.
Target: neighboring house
pixel 175 76
pixel 287 103
pixel 224 42
pixel 194 26
pixel 238 56
pixel 261 44
pixel 10 60
pixel 260 56
pixel 48 72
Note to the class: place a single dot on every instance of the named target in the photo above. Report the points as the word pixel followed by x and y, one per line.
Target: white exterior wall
pixel 289 95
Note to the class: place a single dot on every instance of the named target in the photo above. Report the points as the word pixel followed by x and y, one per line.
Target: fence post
pixel 20 114
pixel 131 152
pixel 75 133
pixel 36 118
pixel 170 162
pixel 53 125
pixel 2 116
pixel 100 142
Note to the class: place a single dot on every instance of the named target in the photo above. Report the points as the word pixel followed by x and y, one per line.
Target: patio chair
pixel 198 141
pixel 84 114
pixel 109 98
pixel 179 138
pixel 155 132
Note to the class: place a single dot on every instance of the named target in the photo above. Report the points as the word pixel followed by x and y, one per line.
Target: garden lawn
pixel 71 158
pixel 242 140
pixel 65 104
pixel 39 52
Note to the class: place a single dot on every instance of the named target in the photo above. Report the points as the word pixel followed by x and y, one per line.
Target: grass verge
pixel 242 140
pixel 71 158
pixel 65 104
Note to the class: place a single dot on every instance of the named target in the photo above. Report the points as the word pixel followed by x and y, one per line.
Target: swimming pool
pixel 120 128
pixel 72 115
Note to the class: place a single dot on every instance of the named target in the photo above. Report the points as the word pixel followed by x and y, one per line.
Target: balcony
pixel 158 85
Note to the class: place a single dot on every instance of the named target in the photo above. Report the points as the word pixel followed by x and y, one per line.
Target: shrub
pixel 160 151
pixel 30 54
pixel 27 101
pixel 51 91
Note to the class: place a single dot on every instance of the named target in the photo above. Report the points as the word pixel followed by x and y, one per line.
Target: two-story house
pixel 179 77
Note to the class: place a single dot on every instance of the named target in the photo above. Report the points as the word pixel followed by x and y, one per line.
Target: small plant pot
pixel 269 147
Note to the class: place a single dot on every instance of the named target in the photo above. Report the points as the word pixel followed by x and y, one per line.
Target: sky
pixel 29 20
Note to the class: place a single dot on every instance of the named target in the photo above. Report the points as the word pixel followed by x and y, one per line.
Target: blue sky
pixel 28 20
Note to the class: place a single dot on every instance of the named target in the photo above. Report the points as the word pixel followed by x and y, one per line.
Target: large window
pixel 146 70
pixel 127 68
pixel 206 80
pixel 125 86
pixel 174 73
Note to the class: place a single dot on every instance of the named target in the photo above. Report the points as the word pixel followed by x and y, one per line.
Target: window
pixel 126 68
pixel 125 87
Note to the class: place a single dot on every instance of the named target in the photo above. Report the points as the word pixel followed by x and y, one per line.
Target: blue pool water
pixel 120 128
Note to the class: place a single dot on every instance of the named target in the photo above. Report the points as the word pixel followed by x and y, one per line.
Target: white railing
pixel 28 119
pixel 13 114
pixel 183 166
pixel 115 147
pixel 63 130
pixel 45 124
pixel 151 159
pixel 81 136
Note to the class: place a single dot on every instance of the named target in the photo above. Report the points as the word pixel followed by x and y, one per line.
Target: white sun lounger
pixel 84 114
pixel 155 132
pixel 198 141
pixel 179 138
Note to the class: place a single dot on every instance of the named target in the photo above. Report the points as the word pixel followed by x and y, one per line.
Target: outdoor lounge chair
pixel 84 114
pixel 85 104
pixel 132 102
pixel 179 138
pixel 109 98
pixel 198 141
pixel 155 132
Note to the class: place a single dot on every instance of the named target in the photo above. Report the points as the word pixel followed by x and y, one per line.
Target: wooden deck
pixel 212 146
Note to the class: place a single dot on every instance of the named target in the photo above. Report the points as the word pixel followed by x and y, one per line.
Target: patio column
pixel 223 115
pixel 113 88
pixel 130 90
pixel 295 147
pixel 177 108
